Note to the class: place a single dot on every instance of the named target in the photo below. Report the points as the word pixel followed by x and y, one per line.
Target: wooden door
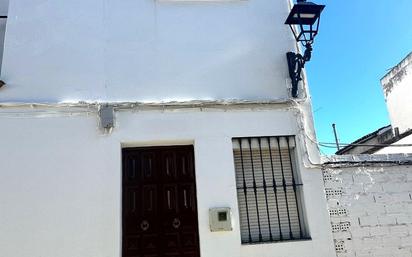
pixel 159 202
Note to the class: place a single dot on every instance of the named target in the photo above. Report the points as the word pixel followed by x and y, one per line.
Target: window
pixel 268 189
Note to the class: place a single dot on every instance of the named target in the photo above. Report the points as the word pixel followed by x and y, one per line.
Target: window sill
pixel 277 242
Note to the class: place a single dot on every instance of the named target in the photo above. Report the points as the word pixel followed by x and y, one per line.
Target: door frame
pixel 168 144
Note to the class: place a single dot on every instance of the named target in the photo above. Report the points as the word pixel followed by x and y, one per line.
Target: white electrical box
pixel 220 219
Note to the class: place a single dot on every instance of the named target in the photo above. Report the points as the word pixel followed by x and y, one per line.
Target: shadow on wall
pixel 4 6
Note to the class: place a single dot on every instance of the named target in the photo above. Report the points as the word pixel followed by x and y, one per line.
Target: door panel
pixel 148 169
pixel 159 202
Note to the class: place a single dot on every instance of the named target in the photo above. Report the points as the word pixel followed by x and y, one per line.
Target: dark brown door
pixel 159 202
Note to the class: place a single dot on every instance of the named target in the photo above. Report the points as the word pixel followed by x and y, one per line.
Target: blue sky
pixel 358 41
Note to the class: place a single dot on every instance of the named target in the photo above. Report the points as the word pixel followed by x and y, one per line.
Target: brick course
pixel 373 201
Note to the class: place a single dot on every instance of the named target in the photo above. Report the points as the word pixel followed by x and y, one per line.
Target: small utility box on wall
pixel 106 116
pixel 220 219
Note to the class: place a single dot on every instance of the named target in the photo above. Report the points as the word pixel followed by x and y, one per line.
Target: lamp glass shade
pixel 305 15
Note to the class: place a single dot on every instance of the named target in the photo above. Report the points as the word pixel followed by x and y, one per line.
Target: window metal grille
pixel 268 190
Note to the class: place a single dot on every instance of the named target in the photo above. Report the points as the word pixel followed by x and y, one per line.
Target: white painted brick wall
pixel 370 205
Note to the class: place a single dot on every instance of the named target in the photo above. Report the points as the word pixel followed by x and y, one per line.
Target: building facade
pixel 397 85
pixel 156 128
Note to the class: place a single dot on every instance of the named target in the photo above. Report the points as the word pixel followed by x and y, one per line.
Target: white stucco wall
pixel 397 87
pixel 4 7
pixel 60 179
pixel 146 50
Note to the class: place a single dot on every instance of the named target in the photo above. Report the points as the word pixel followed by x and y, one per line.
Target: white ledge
pixel 142 105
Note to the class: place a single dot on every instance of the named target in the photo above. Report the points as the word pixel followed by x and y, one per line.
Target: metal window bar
pixel 255 190
pixel 268 191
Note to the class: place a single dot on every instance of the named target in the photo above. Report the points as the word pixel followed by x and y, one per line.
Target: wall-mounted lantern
pixel 303 20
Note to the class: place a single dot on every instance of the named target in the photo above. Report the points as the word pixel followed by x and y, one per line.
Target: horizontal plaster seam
pixel 132 105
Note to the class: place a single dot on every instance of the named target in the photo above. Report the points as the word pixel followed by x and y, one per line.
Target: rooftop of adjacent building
pixel 375 141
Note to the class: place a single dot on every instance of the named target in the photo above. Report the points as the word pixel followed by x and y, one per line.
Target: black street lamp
pixel 303 20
